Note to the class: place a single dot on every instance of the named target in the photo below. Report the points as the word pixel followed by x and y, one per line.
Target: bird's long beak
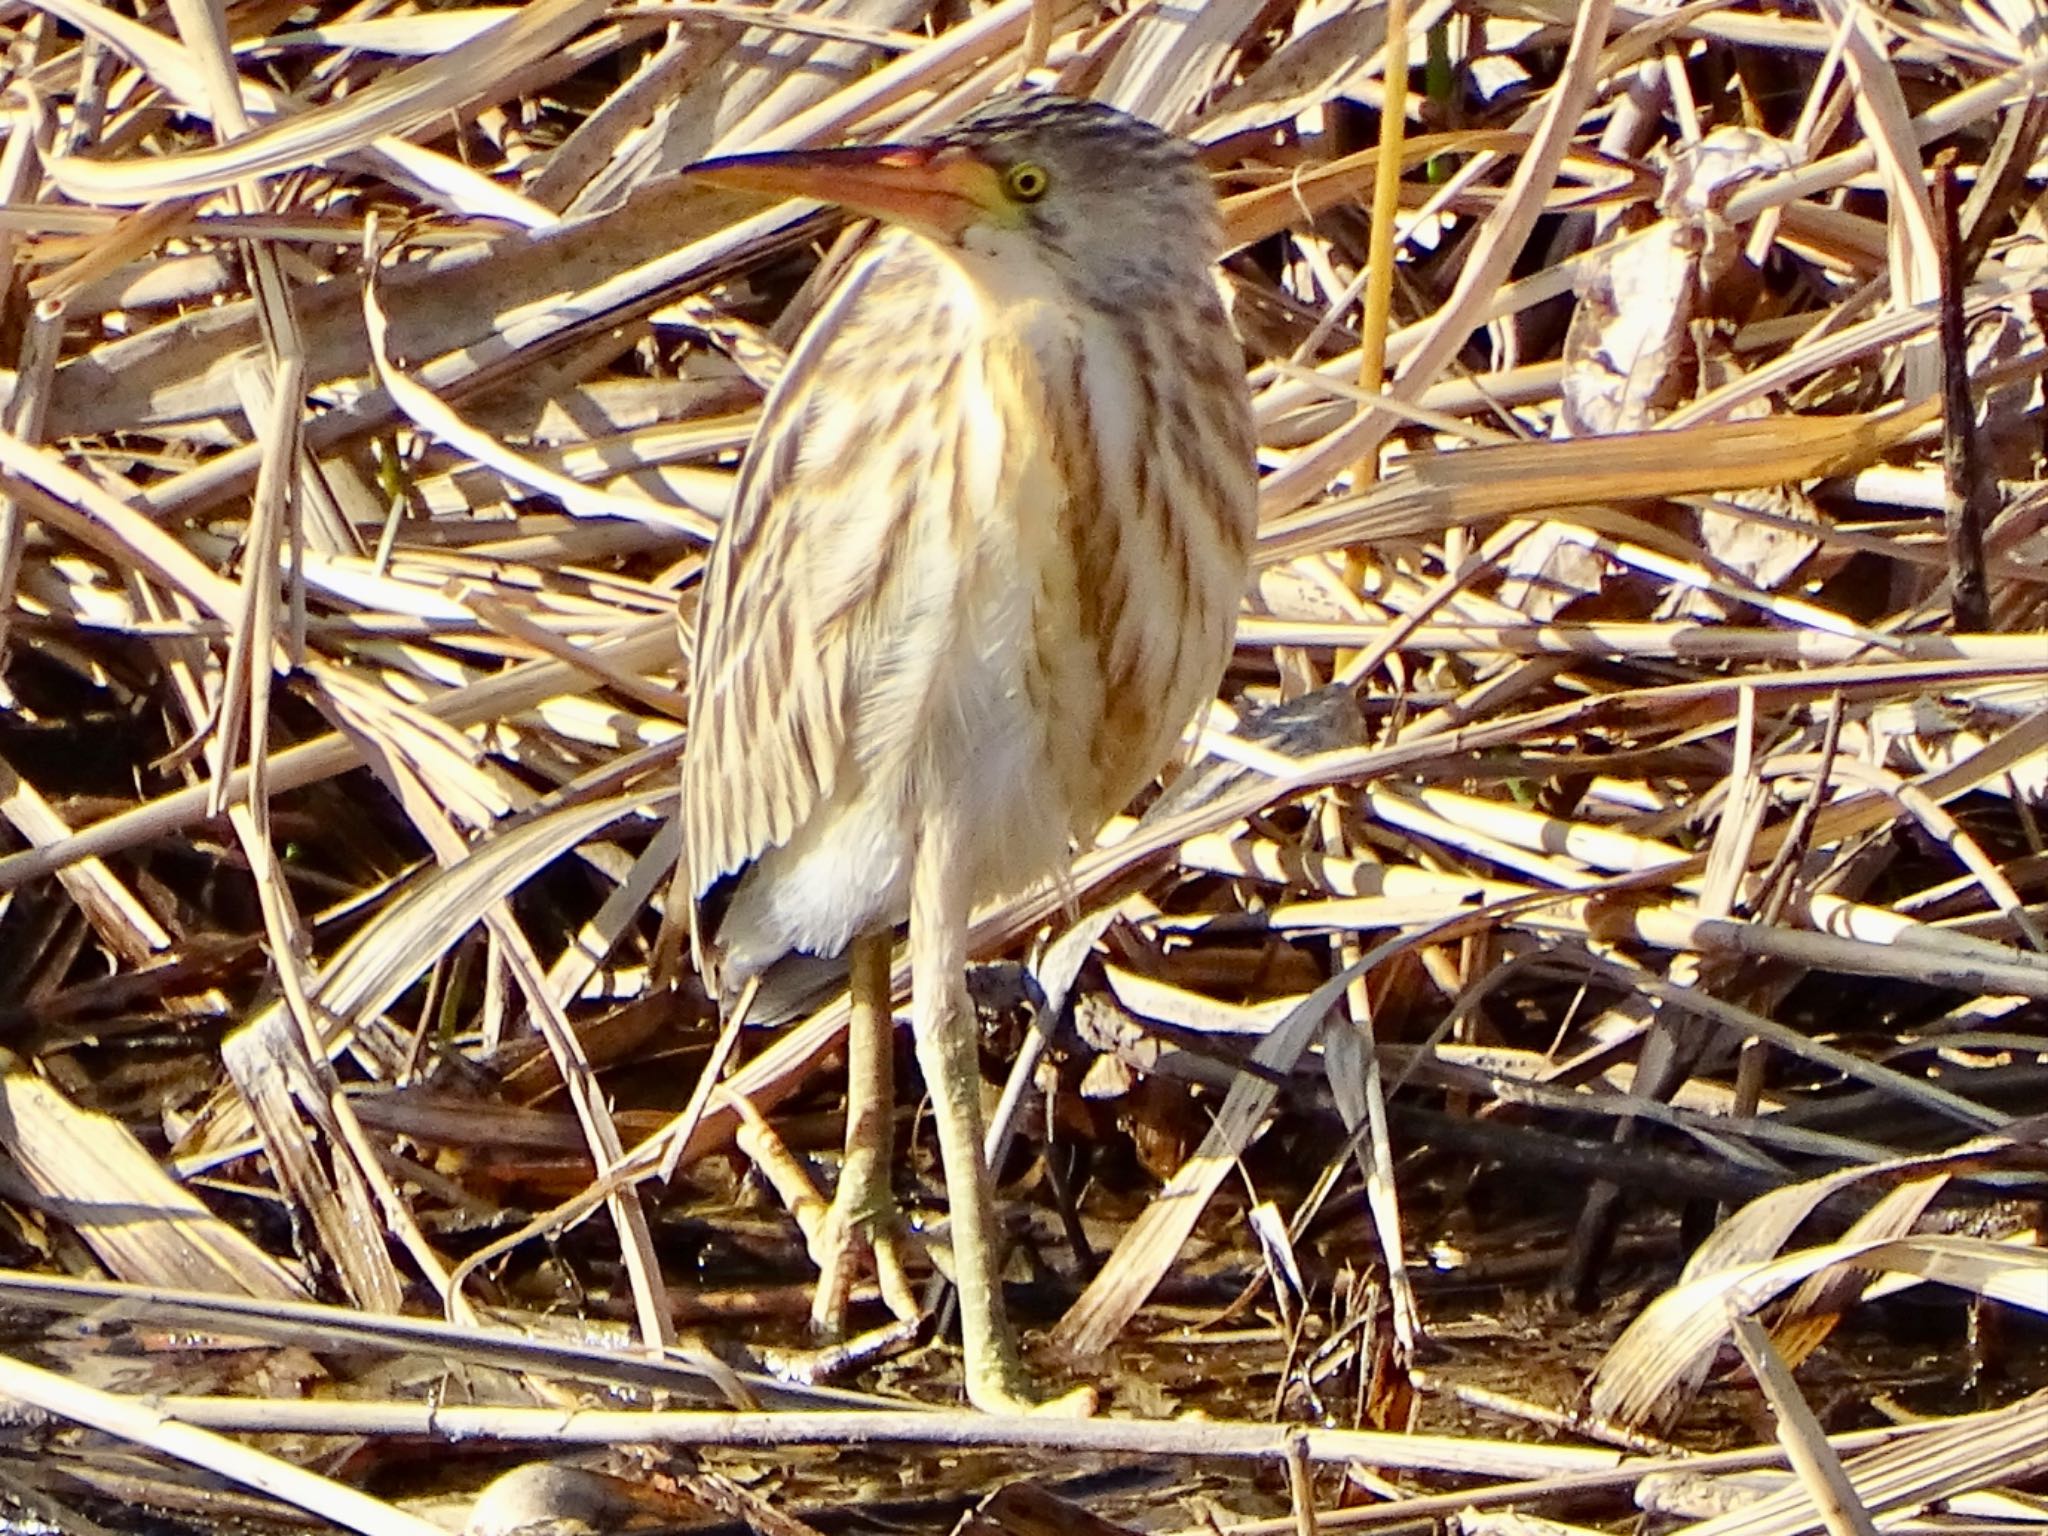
pixel 938 190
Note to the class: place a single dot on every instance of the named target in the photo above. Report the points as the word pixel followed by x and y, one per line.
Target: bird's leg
pixel 864 1213
pixel 942 1020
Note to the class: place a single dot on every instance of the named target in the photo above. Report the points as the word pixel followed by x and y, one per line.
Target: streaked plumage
pixel 984 561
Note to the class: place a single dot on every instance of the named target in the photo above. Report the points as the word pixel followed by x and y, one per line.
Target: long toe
pixel 998 1387
pixel 855 1230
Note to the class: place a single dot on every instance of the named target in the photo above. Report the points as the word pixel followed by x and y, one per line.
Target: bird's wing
pixel 774 656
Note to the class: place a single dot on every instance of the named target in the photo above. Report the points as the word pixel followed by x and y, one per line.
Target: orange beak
pixel 938 190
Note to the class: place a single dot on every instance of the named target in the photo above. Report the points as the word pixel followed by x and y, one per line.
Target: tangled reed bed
pixel 1624 794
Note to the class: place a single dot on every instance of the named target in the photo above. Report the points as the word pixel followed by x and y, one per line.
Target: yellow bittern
pixel 982 568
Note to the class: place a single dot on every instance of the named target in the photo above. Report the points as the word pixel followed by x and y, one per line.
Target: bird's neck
pixel 1009 288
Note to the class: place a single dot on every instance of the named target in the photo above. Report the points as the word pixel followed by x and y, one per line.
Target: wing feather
pixel 779 639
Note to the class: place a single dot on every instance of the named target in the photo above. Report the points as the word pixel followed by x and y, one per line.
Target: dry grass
pixel 1625 793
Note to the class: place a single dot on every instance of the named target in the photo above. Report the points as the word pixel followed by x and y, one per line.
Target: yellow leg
pixel 942 1019
pixel 864 1216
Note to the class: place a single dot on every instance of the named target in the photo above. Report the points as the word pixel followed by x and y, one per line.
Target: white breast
pixel 944 704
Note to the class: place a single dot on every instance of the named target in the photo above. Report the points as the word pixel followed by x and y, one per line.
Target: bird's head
pixel 1104 200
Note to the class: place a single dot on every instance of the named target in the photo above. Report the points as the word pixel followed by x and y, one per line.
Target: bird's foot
pixel 998 1386
pixel 862 1223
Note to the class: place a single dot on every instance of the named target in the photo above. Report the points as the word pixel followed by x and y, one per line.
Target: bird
pixel 981 569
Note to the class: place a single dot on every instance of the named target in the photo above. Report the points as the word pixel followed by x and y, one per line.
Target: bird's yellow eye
pixel 1026 182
